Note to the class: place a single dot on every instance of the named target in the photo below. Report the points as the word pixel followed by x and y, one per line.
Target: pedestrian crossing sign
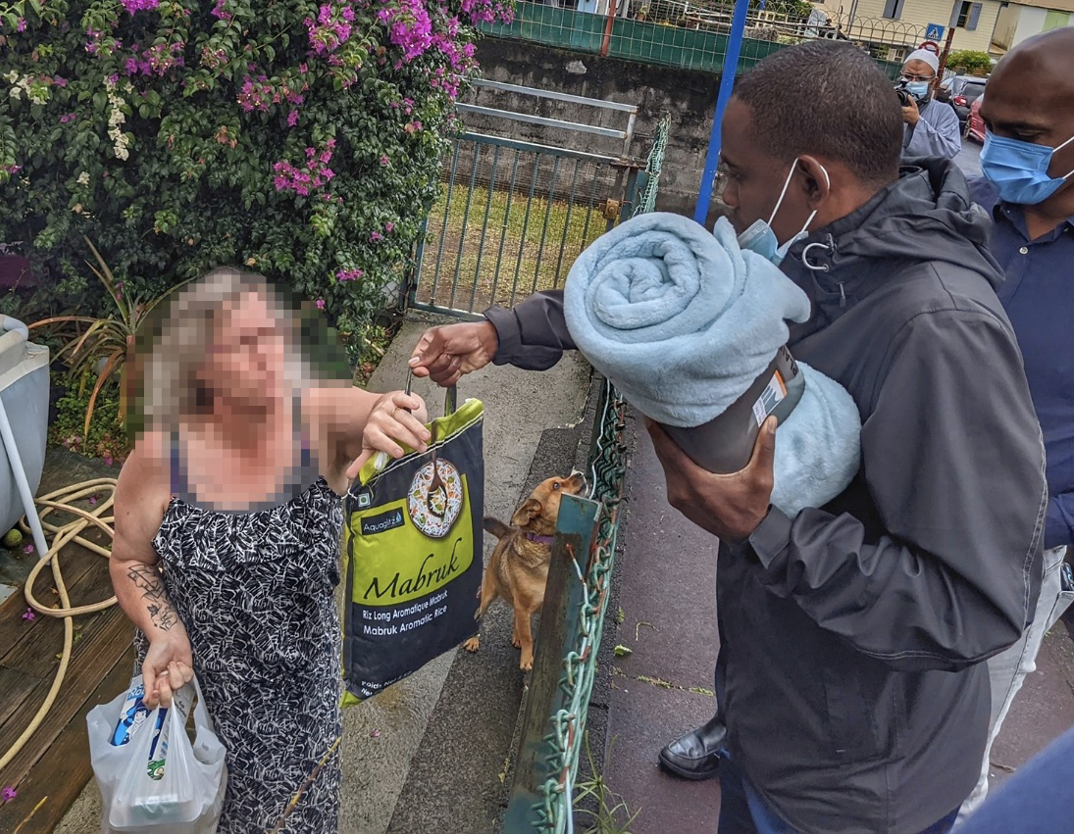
pixel 934 32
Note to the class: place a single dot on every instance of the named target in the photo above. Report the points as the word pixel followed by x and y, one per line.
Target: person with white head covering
pixel 931 129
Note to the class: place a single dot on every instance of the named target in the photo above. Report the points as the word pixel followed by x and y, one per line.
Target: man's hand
pixel 447 352
pixel 910 114
pixel 728 506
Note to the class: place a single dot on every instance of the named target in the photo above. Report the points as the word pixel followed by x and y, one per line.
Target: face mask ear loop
pixel 783 193
pixel 1059 148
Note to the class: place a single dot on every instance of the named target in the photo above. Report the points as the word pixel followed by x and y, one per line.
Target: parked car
pixel 960 92
pixel 975 126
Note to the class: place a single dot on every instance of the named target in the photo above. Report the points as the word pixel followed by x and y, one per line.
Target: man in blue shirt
pixel 1028 163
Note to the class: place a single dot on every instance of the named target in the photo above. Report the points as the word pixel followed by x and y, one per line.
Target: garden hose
pixel 62 500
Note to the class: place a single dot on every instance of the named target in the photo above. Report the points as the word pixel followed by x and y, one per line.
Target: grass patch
pixel 485 247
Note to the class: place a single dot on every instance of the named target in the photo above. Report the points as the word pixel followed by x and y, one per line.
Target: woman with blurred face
pixel 226 556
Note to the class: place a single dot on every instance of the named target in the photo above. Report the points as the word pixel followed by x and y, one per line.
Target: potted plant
pixel 102 346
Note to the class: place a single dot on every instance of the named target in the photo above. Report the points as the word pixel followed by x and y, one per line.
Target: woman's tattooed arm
pixel 146 579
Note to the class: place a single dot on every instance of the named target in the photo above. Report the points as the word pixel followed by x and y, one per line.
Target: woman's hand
pixel 395 417
pixel 168 666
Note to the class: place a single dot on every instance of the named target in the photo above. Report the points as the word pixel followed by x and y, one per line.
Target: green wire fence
pixel 547 764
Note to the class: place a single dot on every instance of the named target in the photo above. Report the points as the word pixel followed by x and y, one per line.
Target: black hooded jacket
pixel 852 636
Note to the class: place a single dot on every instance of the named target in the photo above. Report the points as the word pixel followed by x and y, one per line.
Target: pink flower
pixel 59 81
pixel 376 236
pixel 93 499
pixel 8 793
pixel 389 227
pixel 349 274
pixel 28 549
pixel 384 161
pixel 303 68
pixel 292 118
pixel 69 117
pixel 21 25
pixel 320 303
pixel 133 6
pixel 29 616
pixel 108 461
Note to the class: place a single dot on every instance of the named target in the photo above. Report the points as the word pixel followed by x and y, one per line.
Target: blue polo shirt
pixel 1038 296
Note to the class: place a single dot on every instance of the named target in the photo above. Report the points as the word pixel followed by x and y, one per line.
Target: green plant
pixel 106 345
pixel 300 138
pixel 611 814
pixel 973 63
pixel 105 438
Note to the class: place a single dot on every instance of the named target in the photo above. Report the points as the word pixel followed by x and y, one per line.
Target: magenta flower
pixel 349 274
pixel 69 117
pixel 320 303
pixel 29 615
pixel 21 25
pixel 8 793
pixel 384 161
pixel 93 499
pixel 133 6
pixel 28 549
pixel 59 81
pixel 292 118
pixel 108 461
pixel 389 227
pixel 376 236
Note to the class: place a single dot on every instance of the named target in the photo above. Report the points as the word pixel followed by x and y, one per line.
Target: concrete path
pixel 382 735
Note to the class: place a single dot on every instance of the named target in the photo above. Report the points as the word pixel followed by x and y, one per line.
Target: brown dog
pixel 518 567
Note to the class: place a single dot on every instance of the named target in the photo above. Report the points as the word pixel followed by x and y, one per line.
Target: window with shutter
pixel 893 9
pixel 974 16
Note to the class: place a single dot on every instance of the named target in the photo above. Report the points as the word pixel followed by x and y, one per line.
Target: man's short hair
pixel 828 99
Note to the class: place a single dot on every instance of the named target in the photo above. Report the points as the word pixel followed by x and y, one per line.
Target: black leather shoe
pixel 696 755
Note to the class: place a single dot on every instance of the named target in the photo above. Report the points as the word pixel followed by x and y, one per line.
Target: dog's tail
pixel 496 527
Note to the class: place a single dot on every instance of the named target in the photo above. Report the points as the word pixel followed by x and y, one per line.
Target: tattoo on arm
pixel 147 580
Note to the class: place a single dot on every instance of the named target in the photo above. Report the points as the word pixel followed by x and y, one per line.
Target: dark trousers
pixel 743 811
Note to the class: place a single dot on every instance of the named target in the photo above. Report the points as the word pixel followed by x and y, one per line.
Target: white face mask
pixel 760 238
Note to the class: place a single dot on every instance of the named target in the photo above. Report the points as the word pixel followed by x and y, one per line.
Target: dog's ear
pixel 526 513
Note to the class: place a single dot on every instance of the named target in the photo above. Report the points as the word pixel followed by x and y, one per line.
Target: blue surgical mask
pixel 918 89
pixel 1019 170
pixel 760 238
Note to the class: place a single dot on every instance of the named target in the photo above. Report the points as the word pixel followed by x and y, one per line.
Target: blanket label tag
pixel 773 394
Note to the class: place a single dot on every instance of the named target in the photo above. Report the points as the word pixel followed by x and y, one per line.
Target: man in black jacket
pixel 850 677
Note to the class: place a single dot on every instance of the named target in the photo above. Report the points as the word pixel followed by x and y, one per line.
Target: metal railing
pixel 576 597
pixel 515 214
pixel 693 34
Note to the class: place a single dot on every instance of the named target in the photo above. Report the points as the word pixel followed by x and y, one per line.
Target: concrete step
pixel 461 773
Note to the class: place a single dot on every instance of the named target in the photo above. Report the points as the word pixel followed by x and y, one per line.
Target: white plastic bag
pixel 183 797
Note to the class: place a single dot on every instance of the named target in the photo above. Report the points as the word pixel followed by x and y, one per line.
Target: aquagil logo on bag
pixel 381 523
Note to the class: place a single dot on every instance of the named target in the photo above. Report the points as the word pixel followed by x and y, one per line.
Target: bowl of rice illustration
pixel 435 498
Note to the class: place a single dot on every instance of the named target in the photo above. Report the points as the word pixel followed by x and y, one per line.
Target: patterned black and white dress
pixel 255 591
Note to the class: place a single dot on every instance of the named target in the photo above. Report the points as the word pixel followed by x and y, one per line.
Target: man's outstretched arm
pixel 531 335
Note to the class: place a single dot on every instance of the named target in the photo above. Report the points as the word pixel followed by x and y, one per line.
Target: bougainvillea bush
pixel 301 139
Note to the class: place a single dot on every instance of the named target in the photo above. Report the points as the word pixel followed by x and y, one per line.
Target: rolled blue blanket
pixel 683 322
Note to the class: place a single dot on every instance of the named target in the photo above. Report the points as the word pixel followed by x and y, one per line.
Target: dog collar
pixel 533 537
